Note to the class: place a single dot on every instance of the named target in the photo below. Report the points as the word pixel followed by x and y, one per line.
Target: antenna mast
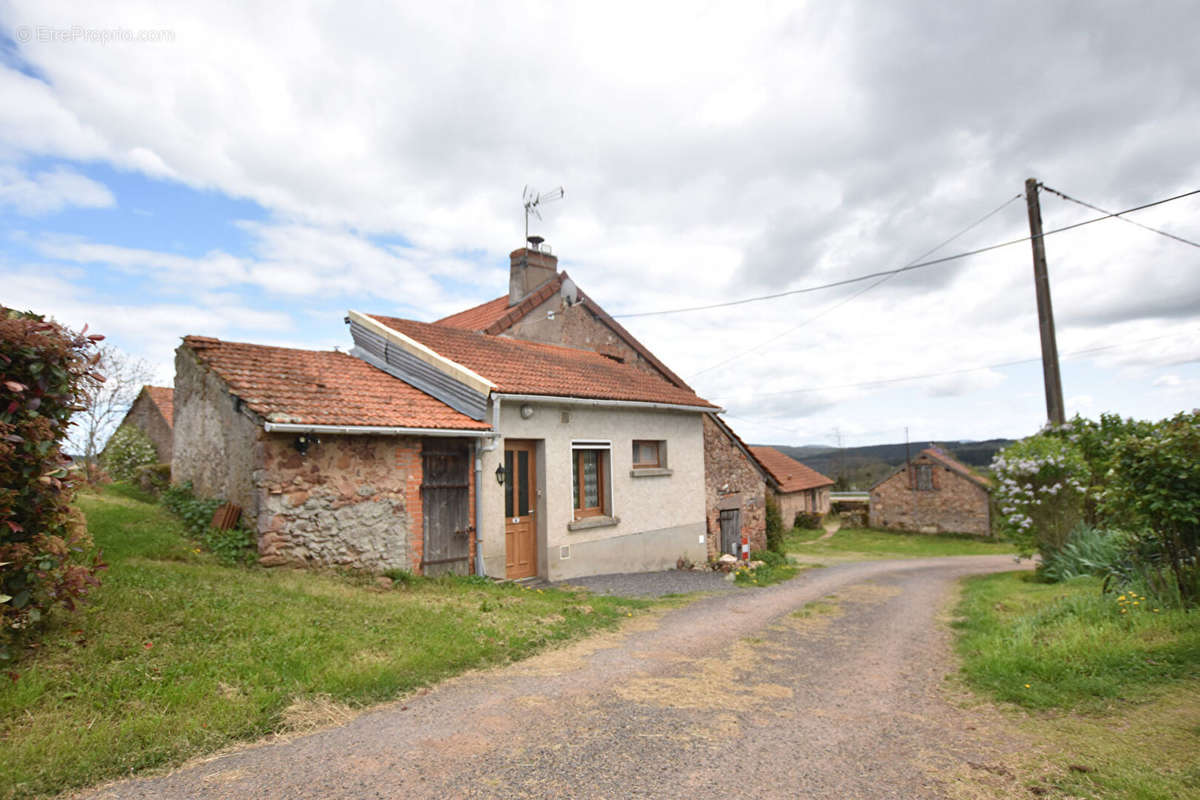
pixel 533 199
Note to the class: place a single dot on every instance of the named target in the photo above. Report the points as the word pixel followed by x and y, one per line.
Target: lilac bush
pixel 1041 489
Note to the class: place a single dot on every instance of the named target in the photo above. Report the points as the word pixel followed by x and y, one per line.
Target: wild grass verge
pixel 859 544
pixel 179 655
pixel 1106 687
pixel 1067 646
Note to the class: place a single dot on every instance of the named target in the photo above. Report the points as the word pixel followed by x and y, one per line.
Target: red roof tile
pixel 790 474
pixel 163 398
pixel 520 367
pixel 318 387
pixel 496 316
pixel 478 317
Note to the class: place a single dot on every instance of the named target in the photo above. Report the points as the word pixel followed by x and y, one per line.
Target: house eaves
pixel 403 357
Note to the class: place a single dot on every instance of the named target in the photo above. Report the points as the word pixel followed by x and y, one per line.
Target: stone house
pixel 799 488
pixel 479 442
pixel 933 493
pixel 153 410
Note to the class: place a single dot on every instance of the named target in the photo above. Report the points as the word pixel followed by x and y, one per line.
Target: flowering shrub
pixel 1041 486
pixel 45 548
pixel 127 450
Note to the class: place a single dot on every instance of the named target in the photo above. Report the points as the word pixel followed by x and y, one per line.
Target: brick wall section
pixel 145 415
pixel 352 501
pixel 727 471
pixel 956 504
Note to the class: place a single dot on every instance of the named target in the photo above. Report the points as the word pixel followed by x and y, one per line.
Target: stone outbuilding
pixel 325 454
pixel 153 411
pixel 933 493
pixel 798 487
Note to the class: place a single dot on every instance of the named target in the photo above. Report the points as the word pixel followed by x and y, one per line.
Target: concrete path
pixel 744 694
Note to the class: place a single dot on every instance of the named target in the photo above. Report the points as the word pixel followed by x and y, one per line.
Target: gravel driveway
pixel 744 694
pixel 654 584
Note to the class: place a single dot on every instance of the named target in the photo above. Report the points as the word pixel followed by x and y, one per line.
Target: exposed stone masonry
pixel 349 501
pixel 955 504
pixel 728 472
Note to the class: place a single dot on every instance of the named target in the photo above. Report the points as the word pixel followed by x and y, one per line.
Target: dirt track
pixel 731 696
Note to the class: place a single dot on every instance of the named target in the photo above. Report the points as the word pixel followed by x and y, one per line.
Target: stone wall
pixel 728 472
pixel 215 440
pixel 813 501
pixel 350 501
pixel 955 504
pixel 145 415
pixel 575 326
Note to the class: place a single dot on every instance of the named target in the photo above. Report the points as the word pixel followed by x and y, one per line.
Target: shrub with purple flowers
pixel 1041 485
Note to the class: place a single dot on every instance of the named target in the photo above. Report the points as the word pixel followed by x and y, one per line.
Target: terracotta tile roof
pixel 496 316
pixel 163 398
pixel 952 463
pixel 477 317
pixel 790 474
pixel 521 367
pixel 319 387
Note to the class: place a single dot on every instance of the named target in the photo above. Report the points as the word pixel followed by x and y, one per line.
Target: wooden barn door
pixel 446 506
pixel 731 532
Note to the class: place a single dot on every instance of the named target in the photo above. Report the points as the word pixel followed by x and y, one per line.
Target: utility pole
pixel 1041 282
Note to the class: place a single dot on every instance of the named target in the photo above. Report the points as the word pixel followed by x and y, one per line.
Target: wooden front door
pixel 520 504
pixel 446 506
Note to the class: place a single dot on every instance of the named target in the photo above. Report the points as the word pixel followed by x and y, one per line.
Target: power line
pixel 861 292
pixel 909 268
pixel 1066 196
pixel 963 371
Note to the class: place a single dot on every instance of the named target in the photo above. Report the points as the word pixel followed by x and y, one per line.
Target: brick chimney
pixel 530 267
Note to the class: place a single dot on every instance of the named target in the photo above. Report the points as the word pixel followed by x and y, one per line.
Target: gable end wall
pixel 575 326
pixel 955 505
pixel 144 414
pixel 727 471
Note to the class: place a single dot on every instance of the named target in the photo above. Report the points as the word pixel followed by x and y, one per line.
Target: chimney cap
pixel 535 242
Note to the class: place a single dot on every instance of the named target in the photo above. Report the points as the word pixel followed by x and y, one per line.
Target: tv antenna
pixel 533 199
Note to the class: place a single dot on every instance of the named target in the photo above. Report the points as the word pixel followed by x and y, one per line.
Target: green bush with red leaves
pixel 46 554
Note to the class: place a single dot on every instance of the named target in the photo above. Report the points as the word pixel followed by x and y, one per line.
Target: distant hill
pixel 864 466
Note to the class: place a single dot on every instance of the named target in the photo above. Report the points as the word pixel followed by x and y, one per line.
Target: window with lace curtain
pixel 591 476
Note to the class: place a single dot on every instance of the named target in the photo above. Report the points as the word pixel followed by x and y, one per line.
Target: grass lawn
pixel 1113 696
pixel 177 655
pixel 858 544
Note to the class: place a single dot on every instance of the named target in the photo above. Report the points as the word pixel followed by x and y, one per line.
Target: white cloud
pixel 50 191
pixel 708 154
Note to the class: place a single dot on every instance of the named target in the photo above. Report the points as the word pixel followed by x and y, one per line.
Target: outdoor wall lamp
pixel 303 442
pixel 500 473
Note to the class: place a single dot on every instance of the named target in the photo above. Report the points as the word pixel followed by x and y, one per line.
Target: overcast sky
pixel 252 170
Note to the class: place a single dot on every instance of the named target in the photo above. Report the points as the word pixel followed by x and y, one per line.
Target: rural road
pixel 731 696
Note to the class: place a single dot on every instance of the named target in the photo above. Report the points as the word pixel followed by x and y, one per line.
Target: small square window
pixel 649 454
